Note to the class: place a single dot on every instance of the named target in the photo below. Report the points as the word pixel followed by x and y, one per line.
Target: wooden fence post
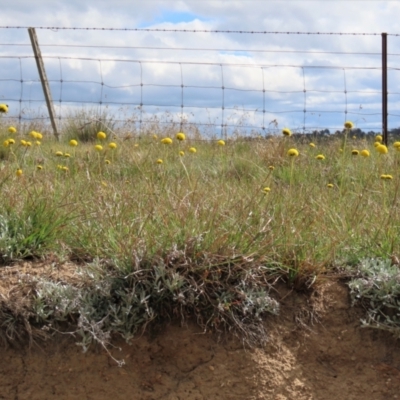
pixel 43 80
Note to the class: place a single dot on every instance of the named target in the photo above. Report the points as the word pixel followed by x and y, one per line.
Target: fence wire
pixel 225 89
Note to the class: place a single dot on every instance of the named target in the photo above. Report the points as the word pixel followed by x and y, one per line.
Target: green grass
pixel 193 235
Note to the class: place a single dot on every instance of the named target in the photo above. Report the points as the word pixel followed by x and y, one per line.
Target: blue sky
pixel 335 79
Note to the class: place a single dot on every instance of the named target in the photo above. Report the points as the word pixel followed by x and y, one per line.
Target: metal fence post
pixel 43 79
pixel 384 90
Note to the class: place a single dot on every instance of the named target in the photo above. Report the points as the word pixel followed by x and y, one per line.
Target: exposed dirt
pixel 332 358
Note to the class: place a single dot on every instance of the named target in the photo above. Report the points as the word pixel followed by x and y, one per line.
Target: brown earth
pixel 317 350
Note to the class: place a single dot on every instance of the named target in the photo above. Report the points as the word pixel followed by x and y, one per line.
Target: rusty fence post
pixel 384 90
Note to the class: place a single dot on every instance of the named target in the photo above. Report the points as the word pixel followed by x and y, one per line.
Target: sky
pixel 223 79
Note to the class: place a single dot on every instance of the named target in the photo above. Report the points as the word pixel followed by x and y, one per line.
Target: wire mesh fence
pixel 217 80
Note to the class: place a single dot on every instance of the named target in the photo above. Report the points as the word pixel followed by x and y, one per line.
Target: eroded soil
pixel 317 350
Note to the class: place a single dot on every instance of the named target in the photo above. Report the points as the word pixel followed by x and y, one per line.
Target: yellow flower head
pixel 67 155
pixel 365 153
pixel 180 136
pixel 33 134
pixel 348 125
pixel 396 145
pixel 108 162
pixel 101 135
pixel 19 172
pixel 39 136
pixel 376 144
pixel 11 129
pixel 286 132
pixel 73 143
pixel 64 168
pixel 267 189
pixel 136 145
pixel 192 150
pixel 181 153
pixel 23 142
pixel 292 153
pixel 38 143
pixel 312 144
pixel 382 149
pixel 98 147
pixel 159 161
pixel 112 145
pixel 355 152
pixel 28 144
pixel 388 177
pixel 330 185
pixel 221 142
pixel 3 108
pixel 320 157
pixel 271 167
pixel 39 167
pixel 166 140
pixel 378 138
pixel 6 143
pixel 59 153
pixel 11 141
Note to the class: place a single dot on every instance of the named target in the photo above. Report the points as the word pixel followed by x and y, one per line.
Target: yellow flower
pixel 166 140
pixel 159 161
pixel 221 142
pixel 396 145
pixel 11 129
pixel 286 132
pixel 98 147
pixel 365 153
pixel 67 155
pixel 23 142
pixel 155 136
pixel 101 135
pixel 39 167
pixel 292 153
pixel 266 189
pixel 39 136
pixel 73 143
pixel 192 150
pixel 108 162
pixel 378 138
pixel 348 125
pixel 59 153
pixel 38 143
pixel 28 144
pixel 376 144
pixel 65 169
pixel 271 167
pixel 33 134
pixel 320 157
pixel 19 172
pixel 112 145
pixel 3 108
pixel 382 149
pixel 312 144
pixel 6 143
pixel 330 185
pixel 11 141
pixel 355 152
pixel 384 176
pixel 104 183
pixel 180 136
pixel 181 153
pixel 136 145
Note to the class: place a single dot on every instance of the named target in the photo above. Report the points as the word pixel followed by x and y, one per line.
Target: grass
pixel 193 234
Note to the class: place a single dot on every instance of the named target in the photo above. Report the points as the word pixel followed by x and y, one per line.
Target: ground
pixel 317 350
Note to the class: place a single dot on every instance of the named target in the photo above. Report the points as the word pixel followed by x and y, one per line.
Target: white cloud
pixel 276 72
